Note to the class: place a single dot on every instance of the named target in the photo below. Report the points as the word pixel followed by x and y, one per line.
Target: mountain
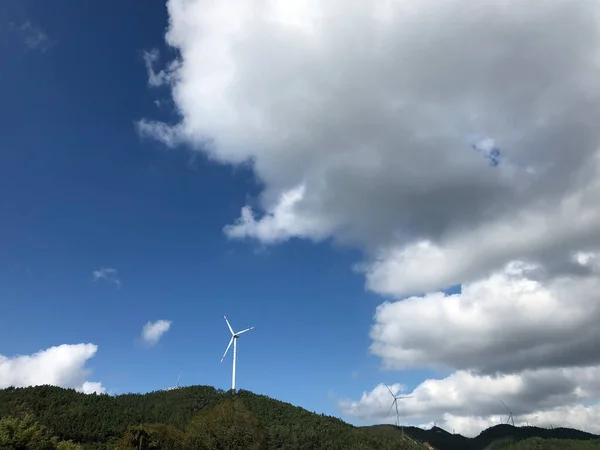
pixel 196 417
pixel 495 438
pixel 201 417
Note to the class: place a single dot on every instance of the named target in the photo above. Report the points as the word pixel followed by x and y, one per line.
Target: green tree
pixel 228 426
pixel 538 443
pixel 151 436
pixel 25 434
pixel 501 444
pixel 68 445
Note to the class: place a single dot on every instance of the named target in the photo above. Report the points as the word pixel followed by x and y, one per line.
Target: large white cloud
pixel 515 319
pixel 63 365
pixel 520 335
pixel 453 142
pixel 372 122
pixel 467 402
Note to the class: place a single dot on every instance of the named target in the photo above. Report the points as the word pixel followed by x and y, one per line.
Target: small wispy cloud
pixel 153 331
pixel 162 77
pixel 34 37
pixel 107 273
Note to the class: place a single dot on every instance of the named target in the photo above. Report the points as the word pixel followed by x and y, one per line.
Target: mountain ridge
pixel 443 440
pixel 99 421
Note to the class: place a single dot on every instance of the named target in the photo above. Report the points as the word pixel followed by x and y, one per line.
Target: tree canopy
pixel 204 418
pixel 196 417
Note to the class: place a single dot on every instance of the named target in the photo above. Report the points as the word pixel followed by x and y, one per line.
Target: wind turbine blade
pixel 227 349
pixel 388 388
pixel 406 396
pixel 243 331
pixel 230 329
pixel 391 406
pixel 505 407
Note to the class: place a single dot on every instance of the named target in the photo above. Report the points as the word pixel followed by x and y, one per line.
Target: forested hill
pixel 201 417
pixel 499 437
pixel 197 417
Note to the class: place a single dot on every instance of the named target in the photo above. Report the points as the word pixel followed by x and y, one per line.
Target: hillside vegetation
pixel 197 417
pixel 499 437
pixel 551 444
pixel 201 417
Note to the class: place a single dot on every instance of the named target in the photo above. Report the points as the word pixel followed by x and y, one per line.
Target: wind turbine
pixel 395 403
pixel 177 385
pixel 178 378
pixel 234 338
pixel 510 414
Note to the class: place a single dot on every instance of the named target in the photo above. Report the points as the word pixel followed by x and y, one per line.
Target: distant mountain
pixel 499 436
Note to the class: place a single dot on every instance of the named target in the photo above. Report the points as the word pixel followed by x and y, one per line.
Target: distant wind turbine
pixel 234 338
pixel 177 385
pixel 510 414
pixel 395 403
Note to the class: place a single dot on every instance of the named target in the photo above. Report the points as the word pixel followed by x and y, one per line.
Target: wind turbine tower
pixel 177 385
pixel 510 415
pixel 234 338
pixel 395 403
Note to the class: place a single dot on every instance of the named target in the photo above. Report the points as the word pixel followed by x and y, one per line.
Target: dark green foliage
pixel 159 418
pixel 24 433
pixel 538 443
pixel 67 445
pixel 499 437
pixel 228 426
pixel 501 444
pixel 151 436
pixel 201 417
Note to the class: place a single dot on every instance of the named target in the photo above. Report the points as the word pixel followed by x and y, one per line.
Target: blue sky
pixel 384 200
pixel 81 191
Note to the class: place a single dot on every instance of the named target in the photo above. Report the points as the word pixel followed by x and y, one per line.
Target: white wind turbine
pixel 177 385
pixel 395 402
pixel 178 378
pixel 234 338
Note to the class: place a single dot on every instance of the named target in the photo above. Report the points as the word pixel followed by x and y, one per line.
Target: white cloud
pixel 454 143
pixel 468 403
pixel 512 320
pixel 552 236
pixel 282 224
pixel 374 123
pixel 167 135
pixel 63 365
pixel 156 79
pixel 352 145
pixel 153 331
pixel 92 387
pixel 518 335
pixel 108 274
